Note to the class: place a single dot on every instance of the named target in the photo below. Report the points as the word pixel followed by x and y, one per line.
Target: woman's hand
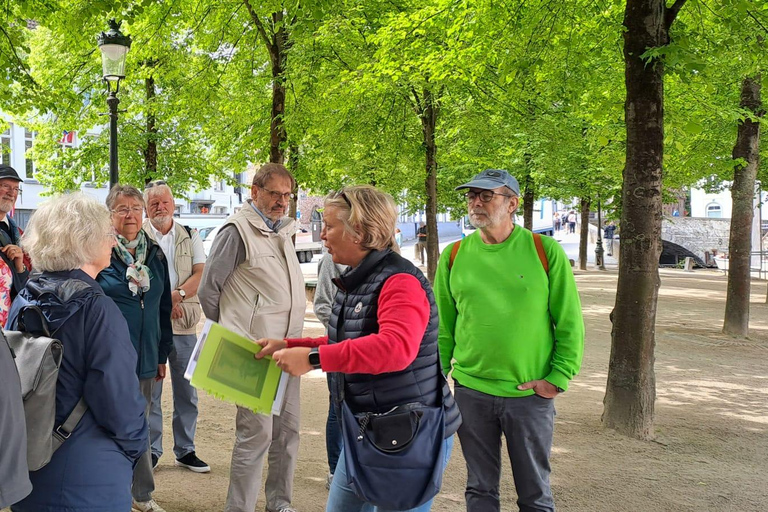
pixel 160 372
pixel 294 361
pixel 269 346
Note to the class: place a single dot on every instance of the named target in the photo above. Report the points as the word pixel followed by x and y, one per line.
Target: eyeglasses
pixel 123 212
pixel 155 183
pixel 277 195
pixel 10 188
pixel 485 196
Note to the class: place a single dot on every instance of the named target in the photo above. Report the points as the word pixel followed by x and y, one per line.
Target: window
pixel 29 139
pixel 5 147
pixel 714 211
pixel 220 210
pixel 218 186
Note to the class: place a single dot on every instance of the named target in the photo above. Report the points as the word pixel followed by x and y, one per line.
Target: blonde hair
pixel 60 235
pixel 369 213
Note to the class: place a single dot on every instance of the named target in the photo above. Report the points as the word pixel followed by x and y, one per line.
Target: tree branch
pixel 672 12
pixel 259 25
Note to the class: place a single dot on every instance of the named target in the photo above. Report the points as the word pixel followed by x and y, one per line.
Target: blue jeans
pixel 343 499
pixel 184 402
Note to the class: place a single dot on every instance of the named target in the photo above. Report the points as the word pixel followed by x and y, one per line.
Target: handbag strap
pixel 63 431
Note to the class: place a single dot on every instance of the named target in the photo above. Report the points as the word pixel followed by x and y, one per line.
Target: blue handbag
pixel 394 460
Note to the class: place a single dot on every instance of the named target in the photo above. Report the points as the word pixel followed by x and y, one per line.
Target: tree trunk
pixel 277 133
pixel 150 152
pixel 528 197
pixel 631 387
pixel 277 43
pixel 428 124
pixel 584 235
pixel 747 149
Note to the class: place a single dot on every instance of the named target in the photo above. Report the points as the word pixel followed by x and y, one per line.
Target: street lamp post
pixel 599 254
pixel 114 46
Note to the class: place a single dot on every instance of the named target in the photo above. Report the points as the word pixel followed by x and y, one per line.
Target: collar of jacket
pixel 287 224
pixel 356 276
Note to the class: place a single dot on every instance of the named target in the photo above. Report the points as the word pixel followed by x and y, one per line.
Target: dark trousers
pixel 332 432
pixel 527 423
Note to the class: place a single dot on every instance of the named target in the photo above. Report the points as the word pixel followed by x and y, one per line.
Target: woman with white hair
pixel 70 239
pixel 137 280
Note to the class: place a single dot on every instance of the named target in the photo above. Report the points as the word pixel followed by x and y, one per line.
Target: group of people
pixel 565 220
pixel 503 317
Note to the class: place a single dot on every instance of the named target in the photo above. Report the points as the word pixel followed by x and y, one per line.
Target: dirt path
pixel 711 451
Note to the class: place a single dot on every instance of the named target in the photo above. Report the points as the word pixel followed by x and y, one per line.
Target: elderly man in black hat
pixel 9 231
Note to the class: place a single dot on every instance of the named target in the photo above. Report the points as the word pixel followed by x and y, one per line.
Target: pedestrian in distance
pixel 572 222
pixel 185 255
pixel 137 280
pixel 608 233
pixel 382 341
pixel 253 285
pixel 421 243
pixel 512 334
pixel 70 240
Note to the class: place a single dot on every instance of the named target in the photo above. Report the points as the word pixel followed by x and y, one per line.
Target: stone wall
pixel 697 234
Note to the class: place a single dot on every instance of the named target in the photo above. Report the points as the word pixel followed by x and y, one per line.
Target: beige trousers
pixel 257 435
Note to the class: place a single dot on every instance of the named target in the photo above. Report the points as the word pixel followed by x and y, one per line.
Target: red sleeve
pixel 306 342
pixel 403 317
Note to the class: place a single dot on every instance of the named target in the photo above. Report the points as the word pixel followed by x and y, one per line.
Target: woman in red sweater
pixel 383 331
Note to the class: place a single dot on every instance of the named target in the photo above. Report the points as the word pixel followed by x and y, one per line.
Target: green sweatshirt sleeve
pixel 565 310
pixel 446 309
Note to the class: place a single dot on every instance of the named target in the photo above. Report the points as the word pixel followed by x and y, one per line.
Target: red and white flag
pixel 68 138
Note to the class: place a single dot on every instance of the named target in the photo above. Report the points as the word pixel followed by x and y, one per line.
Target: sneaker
pixel 328 481
pixel 146 506
pixel 155 461
pixel 193 463
pixel 284 509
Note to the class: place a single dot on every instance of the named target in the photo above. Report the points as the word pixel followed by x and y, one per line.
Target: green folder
pixel 222 364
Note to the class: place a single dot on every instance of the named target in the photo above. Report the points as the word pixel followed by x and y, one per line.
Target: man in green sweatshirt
pixel 512 331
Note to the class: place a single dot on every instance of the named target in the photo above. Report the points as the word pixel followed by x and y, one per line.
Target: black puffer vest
pixel 355 314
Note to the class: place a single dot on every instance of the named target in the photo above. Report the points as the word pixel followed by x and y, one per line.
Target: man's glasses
pixel 485 196
pixel 10 188
pixel 155 183
pixel 123 212
pixel 277 195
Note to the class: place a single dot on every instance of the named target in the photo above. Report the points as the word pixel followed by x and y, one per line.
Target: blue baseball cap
pixel 492 178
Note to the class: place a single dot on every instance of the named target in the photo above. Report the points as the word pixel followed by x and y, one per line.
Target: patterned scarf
pixel 138 274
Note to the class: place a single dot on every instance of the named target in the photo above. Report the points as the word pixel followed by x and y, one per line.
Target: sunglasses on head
pixel 155 183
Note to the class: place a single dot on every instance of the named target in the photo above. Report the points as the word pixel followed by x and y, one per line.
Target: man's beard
pixel 6 205
pixel 487 220
pixel 160 221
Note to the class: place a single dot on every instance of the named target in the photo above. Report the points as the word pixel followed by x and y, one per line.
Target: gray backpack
pixel 38 359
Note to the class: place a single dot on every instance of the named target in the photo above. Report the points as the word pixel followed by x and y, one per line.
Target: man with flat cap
pixel 10 234
pixel 512 332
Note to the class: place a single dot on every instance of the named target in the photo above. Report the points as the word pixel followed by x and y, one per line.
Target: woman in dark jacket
pixel 70 240
pixel 382 334
pixel 137 280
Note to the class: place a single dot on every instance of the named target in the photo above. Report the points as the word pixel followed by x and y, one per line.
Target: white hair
pixel 65 232
pixel 155 190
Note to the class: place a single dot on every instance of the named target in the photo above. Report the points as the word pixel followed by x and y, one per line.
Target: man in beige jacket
pixel 253 285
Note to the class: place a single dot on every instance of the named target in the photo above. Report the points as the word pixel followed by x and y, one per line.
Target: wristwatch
pixel 314 358
pixel 182 293
pixel 560 390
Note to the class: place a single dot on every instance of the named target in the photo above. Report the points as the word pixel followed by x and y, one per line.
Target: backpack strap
pixel 188 229
pixel 540 251
pixel 63 431
pixel 454 251
pixel 536 241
